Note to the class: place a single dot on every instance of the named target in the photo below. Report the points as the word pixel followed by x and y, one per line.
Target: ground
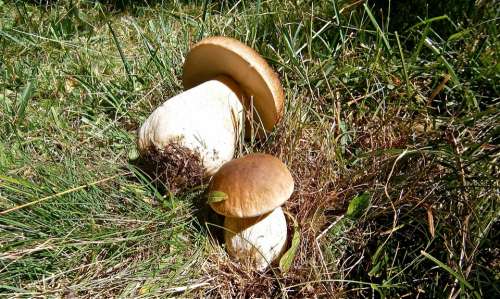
pixel 390 130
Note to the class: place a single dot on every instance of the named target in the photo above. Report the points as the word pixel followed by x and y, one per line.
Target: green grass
pixel 407 113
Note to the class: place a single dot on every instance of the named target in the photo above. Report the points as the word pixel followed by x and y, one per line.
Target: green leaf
pixel 216 196
pixel 375 271
pixel 133 154
pixel 459 35
pixel 379 260
pixel 358 205
pixel 287 258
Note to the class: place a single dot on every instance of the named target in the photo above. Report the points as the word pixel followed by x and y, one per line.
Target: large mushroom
pixel 249 192
pixel 224 81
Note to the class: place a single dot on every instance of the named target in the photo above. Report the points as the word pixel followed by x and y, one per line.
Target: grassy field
pixel 399 104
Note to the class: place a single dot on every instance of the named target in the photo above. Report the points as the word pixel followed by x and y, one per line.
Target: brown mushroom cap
pixel 218 55
pixel 252 185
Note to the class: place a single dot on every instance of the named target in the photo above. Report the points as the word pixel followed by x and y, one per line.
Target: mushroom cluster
pixel 230 90
pixel 249 192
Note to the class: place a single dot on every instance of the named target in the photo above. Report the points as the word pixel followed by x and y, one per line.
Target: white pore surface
pixel 258 244
pixel 206 119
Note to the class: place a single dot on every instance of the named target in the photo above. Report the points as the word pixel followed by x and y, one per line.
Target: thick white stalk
pixel 257 241
pixel 206 119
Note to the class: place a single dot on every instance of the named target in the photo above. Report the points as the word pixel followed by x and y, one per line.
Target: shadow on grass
pixel 148 171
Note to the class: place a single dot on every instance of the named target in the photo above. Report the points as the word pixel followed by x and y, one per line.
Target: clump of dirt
pixel 174 166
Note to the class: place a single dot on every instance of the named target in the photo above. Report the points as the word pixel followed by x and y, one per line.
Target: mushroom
pixel 223 79
pixel 249 192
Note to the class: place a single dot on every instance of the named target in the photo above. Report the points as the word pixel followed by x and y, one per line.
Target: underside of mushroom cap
pixel 215 56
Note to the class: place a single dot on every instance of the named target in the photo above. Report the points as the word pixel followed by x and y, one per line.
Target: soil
pixel 175 167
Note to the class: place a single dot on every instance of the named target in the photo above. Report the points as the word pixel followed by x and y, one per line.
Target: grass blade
pixel 122 56
pixel 431 45
pixel 379 30
pixel 23 101
pixel 458 276
pixel 405 71
pixel 59 194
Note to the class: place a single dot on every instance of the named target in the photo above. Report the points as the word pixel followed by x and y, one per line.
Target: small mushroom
pixel 249 191
pixel 224 80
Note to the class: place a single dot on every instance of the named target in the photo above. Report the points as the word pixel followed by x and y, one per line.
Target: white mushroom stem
pixel 259 240
pixel 206 119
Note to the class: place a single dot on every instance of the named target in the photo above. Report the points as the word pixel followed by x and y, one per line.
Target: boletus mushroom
pixel 225 81
pixel 249 192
